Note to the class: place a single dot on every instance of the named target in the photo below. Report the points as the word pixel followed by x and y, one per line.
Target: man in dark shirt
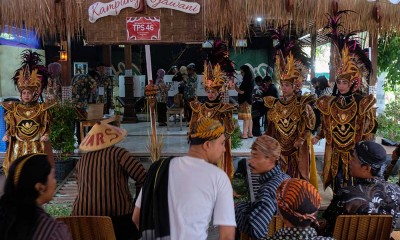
pixel 103 174
pixel 253 218
pixel 270 90
pixel 371 194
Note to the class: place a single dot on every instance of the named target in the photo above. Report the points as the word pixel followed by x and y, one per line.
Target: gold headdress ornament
pixel 350 68
pixel 207 129
pixel 353 65
pixel 291 62
pixel 213 77
pixel 29 80
pixel 292 71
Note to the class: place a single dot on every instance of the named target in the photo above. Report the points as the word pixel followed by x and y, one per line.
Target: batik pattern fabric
pixel 190 87
pixel 26 124
pixel 83 88
pixel 253 218
pixel 289 121
pixel 162 94
pixel 298 233
pixel 367 196
pixel 223 112
pixel 344 122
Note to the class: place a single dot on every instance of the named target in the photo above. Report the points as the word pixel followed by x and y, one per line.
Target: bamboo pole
pixel 151 91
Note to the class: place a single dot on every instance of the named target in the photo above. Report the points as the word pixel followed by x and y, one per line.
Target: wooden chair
pixel 395 235
pixel 175 111
pixel 366 227
pixel 90 227
pixel 275 224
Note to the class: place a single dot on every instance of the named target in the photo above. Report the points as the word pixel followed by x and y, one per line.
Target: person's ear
pixel 40 187
pixel 206 145
pixel 367 167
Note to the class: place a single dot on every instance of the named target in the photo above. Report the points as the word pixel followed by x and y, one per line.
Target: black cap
pixel 371 153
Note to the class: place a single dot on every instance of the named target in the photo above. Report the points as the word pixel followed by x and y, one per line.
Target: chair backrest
pixel 90 227
pixel 366 227
pixel 275 224
pixel 178 100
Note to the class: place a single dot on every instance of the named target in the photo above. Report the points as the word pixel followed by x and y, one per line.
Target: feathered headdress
pixel 219 68
pixel 291 62
pixel 353 65
pixel 31 75
pixel 213 76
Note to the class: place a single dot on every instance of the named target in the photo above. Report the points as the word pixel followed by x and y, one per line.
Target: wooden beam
pixel 313 50
pixel 373 43
pixel 129 108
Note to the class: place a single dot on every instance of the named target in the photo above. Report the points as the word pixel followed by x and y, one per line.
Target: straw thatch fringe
pixel 222 17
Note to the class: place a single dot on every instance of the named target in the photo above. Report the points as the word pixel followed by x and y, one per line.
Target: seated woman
pixel 298 204
pixel 29 185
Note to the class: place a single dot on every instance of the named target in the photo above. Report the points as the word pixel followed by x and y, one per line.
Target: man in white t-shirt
pixel 181 195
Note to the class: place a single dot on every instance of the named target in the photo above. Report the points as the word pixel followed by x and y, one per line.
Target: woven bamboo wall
pixel 175 26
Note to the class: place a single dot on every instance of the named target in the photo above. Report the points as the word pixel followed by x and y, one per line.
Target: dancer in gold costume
pixel 348 117
pixel 27 121
pixel 218 71
pixel 214 80
pixel 291 118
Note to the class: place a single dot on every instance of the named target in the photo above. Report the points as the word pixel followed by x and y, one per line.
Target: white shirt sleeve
pixel 138 203
pixel 224 210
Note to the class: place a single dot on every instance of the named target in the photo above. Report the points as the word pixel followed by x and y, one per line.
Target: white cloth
pixel 197 191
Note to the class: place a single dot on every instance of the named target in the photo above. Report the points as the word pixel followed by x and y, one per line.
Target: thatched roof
pixel 50 17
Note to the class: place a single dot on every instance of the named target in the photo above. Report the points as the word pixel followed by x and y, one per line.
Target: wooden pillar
pixel 313 50
pixel 106 55
pixel 66 69
pixel 373 43
pixel 332 67
pixel 129 109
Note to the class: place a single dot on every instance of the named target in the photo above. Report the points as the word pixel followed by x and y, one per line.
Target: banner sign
pixel 143 28
pixel 98 9
pixel 182 6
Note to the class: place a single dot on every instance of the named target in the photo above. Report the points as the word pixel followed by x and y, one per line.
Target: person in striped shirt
pixel 30 184
pixel 253 218
pixel 103 174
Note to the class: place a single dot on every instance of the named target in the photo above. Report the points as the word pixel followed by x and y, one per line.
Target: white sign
pixel 182 6
pixel 98 10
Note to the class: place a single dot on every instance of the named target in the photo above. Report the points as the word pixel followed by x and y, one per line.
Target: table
pixel 90 123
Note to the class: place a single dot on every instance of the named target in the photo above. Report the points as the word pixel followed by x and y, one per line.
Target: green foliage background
pixel 389 61
pixel 62 134
pixel 389 121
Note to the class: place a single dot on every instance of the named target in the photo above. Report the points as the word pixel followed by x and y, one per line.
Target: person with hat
pixel 371 194
pixel 253 218
pixel 103 174
pixel 214 108
pixel 182 194
pixel 28 122
pixel 30 184
pixel 349 116
pixel 298 204
pixel 290 117
pixel 190 90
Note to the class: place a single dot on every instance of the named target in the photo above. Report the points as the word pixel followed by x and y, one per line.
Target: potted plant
pixel 62 137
